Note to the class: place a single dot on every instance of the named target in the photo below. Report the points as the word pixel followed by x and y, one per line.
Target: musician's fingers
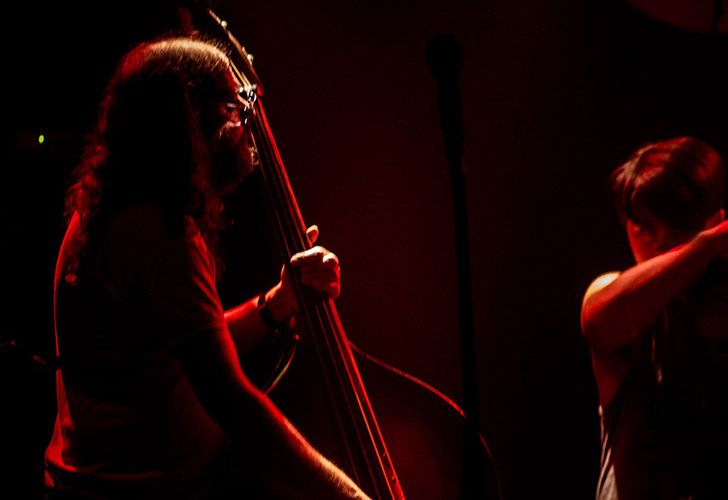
pixel 317 270
pixel 331 287
pixel 318 266
pixel 315 254
pixel 327 269
pixel 312 232
pixel 330 259
pixel 321 282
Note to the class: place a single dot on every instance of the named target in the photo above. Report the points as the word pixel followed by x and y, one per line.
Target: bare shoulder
pixel 600 282
pixel 608 363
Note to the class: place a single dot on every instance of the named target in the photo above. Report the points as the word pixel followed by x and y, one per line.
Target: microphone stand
pixel 445 59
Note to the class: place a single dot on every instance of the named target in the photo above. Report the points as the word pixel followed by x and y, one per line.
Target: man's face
pixel 652 237
pixel 231 145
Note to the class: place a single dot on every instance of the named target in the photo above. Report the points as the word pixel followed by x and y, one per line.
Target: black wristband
pixel 265 314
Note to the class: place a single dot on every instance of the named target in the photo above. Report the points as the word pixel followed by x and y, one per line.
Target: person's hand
pixel 717 238
pixel 317 268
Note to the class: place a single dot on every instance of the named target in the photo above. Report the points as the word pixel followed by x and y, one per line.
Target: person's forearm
pixel 284 456
pixel 257 429
pixel 245 324
pixel 246 327
pixel 614 315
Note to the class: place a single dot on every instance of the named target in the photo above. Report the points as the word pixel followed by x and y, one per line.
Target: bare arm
pixel 178 281
pixel 246 326
pixel 617 307
pixel 318 268
pixel 253 422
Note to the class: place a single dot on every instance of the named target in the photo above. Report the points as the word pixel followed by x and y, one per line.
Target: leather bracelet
pixel 265 314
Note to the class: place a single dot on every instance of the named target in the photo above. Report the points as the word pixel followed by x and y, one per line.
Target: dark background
pixel 555 94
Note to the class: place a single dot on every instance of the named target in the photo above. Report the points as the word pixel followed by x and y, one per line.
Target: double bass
pixel 339 417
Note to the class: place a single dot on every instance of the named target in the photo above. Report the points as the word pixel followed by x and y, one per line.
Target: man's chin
pixel 231 173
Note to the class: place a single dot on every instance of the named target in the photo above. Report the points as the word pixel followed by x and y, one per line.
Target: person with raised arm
pixel 658 330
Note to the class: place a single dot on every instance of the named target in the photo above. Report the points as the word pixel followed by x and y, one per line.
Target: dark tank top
pixel 665 432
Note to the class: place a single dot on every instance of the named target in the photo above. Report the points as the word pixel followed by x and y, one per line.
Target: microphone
pixel 444 56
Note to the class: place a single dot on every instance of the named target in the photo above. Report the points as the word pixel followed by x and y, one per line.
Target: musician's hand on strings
pixel 316 268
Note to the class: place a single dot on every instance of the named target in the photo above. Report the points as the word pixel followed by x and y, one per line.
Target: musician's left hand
pixel 316 268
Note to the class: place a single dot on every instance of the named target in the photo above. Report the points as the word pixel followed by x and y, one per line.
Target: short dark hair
pixel 680 181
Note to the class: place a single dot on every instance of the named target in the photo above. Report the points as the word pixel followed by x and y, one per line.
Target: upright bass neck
pixel 366 457
pixel 369 461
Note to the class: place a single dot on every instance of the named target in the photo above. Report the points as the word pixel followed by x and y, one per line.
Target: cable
pixel 440 395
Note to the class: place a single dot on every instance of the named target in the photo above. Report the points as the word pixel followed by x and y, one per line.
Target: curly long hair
pixel 151 142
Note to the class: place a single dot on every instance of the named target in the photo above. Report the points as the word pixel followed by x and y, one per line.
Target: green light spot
pixel 41 139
